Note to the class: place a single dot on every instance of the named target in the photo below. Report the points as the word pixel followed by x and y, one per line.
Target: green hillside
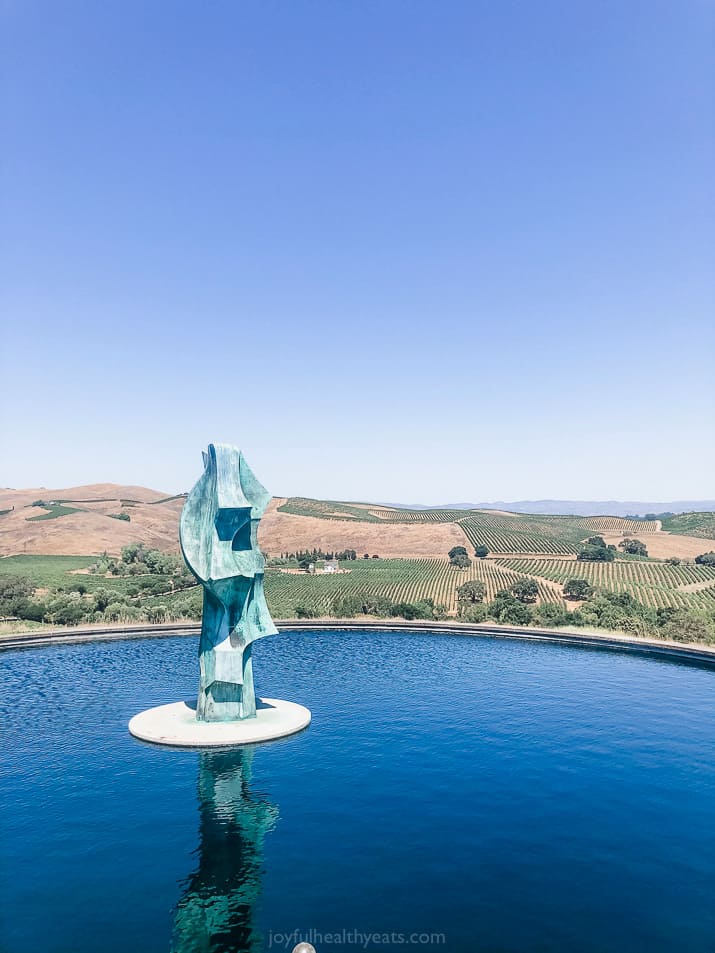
pixel 691 524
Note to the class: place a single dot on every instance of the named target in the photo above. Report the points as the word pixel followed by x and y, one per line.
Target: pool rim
pixel 687 652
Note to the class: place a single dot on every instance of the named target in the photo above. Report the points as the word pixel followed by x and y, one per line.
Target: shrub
pixel 549 614
pixel 303 612
pixel 28 609
pixel 113 611
pixel 67 612
pixel 689 628
pixel 424 609
pixel 476 612
pixel 508 609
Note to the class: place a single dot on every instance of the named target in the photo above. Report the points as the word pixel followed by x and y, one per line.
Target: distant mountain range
pixel 574 507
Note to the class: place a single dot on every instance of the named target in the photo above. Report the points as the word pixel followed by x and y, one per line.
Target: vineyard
pixel 657 585
pixel 616 526
pixel 654 584
pixel 523 534
pixel 327 510
pixel 400 580
pixel 419 516
pixel 499 532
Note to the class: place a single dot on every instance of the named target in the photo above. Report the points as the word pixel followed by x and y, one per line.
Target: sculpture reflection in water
pixel 216 912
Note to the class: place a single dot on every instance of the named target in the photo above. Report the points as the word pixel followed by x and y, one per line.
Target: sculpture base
pixel 176 725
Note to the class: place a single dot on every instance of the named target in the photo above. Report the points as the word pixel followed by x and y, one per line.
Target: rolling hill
pixel 89 520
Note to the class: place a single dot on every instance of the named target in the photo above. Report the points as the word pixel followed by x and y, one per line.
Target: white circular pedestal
pixel 176 725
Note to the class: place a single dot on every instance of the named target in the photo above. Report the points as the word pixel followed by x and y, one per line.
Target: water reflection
pixel 216 912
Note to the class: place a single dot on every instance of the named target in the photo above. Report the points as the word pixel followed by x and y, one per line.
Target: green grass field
pixel 58 572
pixel 52 512
pixel 49 572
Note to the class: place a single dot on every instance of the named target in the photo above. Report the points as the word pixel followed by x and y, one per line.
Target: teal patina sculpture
pixel 218 531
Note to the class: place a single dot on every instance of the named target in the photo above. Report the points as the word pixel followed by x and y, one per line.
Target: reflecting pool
pixel 452 793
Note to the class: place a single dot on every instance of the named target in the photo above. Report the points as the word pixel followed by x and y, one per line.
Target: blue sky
pixel 401 251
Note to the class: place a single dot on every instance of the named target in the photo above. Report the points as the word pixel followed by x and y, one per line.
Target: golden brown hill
pixel 81 520
pixel 154 520
pixel 288 533
pixel 90 529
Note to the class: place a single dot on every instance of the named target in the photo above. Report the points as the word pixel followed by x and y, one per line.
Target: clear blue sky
pixel 402 251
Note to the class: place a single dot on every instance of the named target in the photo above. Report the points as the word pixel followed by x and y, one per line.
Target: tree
pixel 596 550
pixel 634 547
pixel 303 612
pixel 525 590
pixel 549 614
pixel 507 608
pixel 706 559
pixel 134 553
pixel 101 599
pixel 469 594
pixel 457 551
pixel 29 609
pixel 14 590
pixel 481 552
pixel 577 589
pixel 461 561
pixel 673 560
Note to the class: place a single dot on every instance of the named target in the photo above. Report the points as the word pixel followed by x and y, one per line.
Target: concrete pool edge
pixel 672 650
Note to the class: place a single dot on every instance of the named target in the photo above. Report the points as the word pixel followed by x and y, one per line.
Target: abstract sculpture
pixel 218 528
pixel 218 533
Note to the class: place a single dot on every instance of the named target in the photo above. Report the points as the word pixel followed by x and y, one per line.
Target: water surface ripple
pixel 513 796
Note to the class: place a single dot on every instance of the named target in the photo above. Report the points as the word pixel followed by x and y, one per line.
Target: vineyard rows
pixel 615 526
pixel 654 584
pixel 419 516
pixel 327 510
pixel 503 534
pixel 500 532
pixel 400 580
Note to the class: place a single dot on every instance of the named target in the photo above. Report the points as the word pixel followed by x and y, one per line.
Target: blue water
pixel 507 795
